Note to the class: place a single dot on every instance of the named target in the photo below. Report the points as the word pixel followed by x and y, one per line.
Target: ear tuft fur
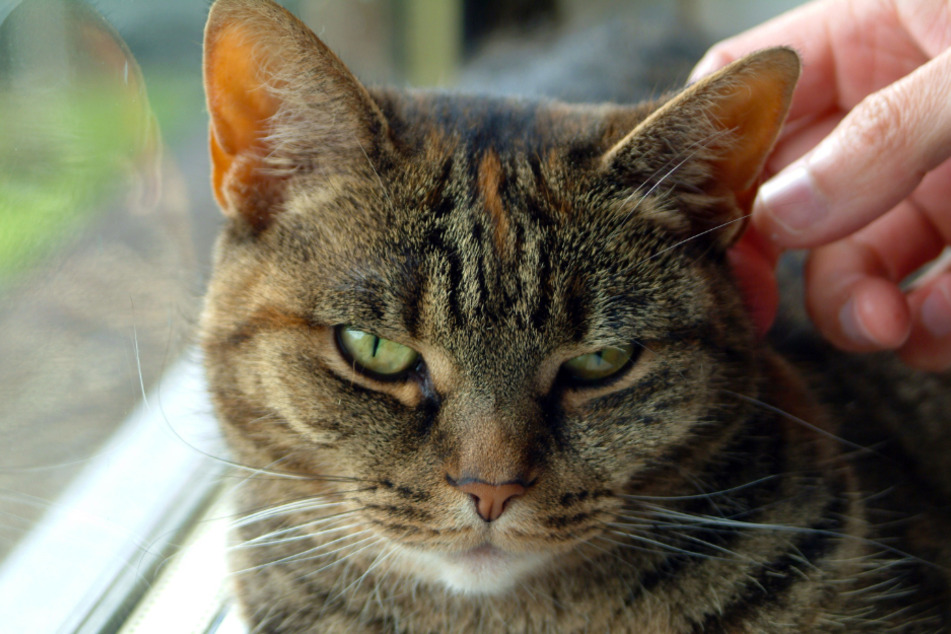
pixel 710 142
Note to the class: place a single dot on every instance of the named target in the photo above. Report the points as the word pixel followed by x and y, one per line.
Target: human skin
pixel 861 177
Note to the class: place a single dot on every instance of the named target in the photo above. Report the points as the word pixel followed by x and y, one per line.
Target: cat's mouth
pixel 486 554
pixel 484 569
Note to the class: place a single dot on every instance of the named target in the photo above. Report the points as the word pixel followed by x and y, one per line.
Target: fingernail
pixel 792 200
pixel 851 326
pixel 936 310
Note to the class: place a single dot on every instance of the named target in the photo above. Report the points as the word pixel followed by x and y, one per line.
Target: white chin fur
pixel 482 571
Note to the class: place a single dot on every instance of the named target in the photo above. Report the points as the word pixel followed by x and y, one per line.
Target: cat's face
pixel 470 327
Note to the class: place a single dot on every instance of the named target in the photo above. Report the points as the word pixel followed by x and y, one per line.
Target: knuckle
pixel 881 123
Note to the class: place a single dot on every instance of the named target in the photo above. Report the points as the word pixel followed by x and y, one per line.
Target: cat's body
pixel 583 431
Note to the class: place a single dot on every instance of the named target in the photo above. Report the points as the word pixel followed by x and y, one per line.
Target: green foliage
pixel 67 152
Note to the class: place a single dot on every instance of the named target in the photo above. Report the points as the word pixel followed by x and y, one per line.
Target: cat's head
pixel 480 321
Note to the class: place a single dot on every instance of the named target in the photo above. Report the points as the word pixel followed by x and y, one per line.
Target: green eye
pixel 374 354
pixel 596 366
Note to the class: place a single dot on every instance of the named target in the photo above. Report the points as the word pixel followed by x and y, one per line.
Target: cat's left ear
pixel 280 103
pixel 709 143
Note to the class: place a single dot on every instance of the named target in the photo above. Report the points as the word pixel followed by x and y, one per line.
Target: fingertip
pixel 881 312
pixel 929 345
pixel 935 311
pixel 712 61
pixel 867 314
pixel 789 207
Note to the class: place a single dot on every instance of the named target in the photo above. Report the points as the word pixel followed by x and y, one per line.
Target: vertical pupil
pixel 376 346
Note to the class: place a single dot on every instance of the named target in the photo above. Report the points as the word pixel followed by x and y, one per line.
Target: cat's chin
pixel 485 570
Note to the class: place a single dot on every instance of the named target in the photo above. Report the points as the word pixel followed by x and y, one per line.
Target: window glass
pixel 98 272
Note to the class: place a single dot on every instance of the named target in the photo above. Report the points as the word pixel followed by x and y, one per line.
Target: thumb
pixel 873 159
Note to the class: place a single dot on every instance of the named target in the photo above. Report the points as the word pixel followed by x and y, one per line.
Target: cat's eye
pixel 374 354
pixel 595 367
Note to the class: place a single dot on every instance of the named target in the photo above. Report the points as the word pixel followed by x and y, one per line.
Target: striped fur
pixel 706 488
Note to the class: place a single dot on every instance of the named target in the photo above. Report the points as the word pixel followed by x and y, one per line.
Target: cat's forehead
pixel 508 126
pixel 501 173
pixel 498 230
pixel 501 266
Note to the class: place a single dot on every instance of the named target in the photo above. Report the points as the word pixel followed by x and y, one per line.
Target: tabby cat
pixel 487 370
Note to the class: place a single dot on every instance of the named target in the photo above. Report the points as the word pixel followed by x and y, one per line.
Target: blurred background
pixel 106 217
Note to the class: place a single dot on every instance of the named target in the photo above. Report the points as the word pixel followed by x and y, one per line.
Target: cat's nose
pixel 490 499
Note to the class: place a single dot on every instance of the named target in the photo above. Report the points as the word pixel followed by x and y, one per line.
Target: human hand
pixel 861 174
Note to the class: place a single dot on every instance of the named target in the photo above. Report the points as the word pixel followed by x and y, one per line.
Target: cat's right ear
pixel 280 103
pixel 709 143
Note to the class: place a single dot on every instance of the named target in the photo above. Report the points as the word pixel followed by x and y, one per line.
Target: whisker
pixel 694 237
pixel 733 555
pixel 374 540
pixel 314 522
pixel 610 552
pixel 691 152
pixel 272 539
pixel 653 542
pixel 308 555
pixel 376 172
pixel 138 357
pixel 800 421
pixel 255 470
pixel 381 557
pixel 762 526
pixel 307 504
pixel 550 598
pixel 700 496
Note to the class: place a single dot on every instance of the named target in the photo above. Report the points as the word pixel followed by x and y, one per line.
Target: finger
pixel 753 261
pixel 841 62
pixel 852 287
pixel 929 343
pixel 797 140
pixel 874 158
pixel 901 241
pixel 798 29
pixel 933 197
pixel 850 300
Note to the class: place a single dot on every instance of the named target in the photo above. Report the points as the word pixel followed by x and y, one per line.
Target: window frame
pixel 96 554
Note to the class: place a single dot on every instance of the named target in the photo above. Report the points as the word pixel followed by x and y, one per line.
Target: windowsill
pixel 193 592
pixel 97 550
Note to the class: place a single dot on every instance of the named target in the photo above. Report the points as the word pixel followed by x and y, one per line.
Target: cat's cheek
pixel 657 405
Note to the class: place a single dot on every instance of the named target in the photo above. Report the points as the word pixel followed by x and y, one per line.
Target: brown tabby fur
pixel 704 489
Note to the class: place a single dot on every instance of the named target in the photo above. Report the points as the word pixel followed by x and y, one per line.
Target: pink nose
pixel 490 499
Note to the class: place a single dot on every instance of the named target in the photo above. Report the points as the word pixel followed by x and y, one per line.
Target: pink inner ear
pixel 241 109
pixel 239 103
pixel 754 266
